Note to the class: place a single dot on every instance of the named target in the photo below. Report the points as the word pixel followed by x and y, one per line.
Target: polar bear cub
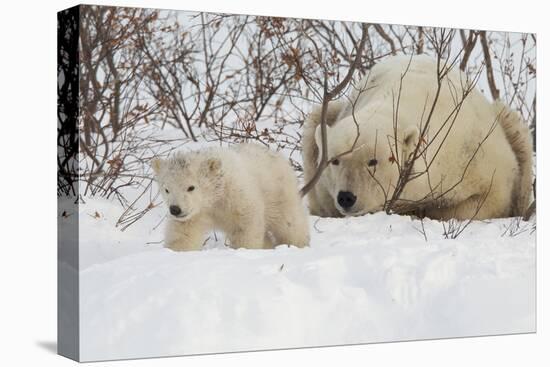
pixel 247 191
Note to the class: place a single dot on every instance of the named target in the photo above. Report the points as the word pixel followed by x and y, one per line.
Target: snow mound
pixel 367 279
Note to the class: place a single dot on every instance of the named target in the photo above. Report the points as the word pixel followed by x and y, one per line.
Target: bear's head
pixel 189 183
pixel 363 169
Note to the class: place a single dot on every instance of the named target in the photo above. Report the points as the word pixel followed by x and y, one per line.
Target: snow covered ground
pixel 367 279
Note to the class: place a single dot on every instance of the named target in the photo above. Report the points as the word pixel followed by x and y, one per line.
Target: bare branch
pixel 489 65
pixel 327 97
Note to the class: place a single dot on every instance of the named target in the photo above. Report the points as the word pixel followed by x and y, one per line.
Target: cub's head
pixel 363 170
pixel 188 182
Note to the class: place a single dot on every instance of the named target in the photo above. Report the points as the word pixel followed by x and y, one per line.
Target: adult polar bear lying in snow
pixel 482 170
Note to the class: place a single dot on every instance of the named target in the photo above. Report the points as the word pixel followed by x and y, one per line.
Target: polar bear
pixel 247 191
pixel 477 155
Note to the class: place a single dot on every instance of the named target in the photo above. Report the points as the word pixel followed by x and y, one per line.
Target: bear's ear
pixel 156 164
pixel 318 139
pixel 213 165
pixel 410 139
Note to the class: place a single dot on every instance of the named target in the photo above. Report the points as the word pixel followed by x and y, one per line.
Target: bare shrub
pixel 154 81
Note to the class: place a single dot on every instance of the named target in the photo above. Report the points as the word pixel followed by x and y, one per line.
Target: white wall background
pixel 28 181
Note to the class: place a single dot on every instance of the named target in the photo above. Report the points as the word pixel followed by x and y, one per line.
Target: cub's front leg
pixel 185 236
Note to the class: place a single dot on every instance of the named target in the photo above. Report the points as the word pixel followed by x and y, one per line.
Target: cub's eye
pixel 372 162
pixel 191 188
pixel 336 162
pixel 166 190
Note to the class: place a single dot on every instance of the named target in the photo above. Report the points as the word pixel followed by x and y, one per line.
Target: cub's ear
pixel 156 164
pixel 213 165
pixel 410 139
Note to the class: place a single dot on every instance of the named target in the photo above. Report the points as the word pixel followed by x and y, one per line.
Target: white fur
pixel 246 191
pixel 496 180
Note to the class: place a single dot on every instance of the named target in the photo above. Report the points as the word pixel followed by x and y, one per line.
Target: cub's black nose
pixel 346 199
pixel 175 210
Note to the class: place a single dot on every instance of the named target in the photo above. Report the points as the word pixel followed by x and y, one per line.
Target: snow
pixel 365 279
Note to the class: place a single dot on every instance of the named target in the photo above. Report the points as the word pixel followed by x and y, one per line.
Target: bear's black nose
pixel 346 199
pixel 175 210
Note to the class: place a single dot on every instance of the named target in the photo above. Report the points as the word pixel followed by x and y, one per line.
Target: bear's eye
pixel 191 188
pixel 166 190
pixel 336 162
pixel 372 162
